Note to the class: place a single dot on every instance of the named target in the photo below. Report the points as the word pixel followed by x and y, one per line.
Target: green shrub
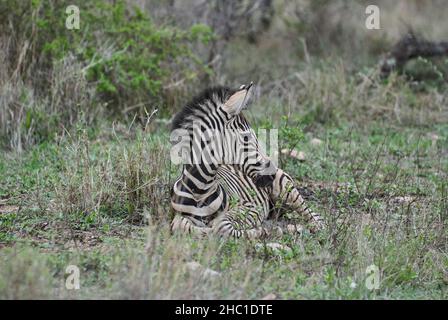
pixel 130 63
pixel 126 55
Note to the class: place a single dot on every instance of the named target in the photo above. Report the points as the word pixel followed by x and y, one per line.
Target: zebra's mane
pixel 188 111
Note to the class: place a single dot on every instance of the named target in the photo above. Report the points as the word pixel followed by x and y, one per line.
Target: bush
pixel 118 51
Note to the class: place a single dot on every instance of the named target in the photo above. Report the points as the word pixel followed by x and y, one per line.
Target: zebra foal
pixel 228 186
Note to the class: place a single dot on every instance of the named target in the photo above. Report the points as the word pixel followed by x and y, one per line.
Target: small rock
pixel 434 137
pixel 403 200
pixel 274 247
pixel 209 273
pixel 316 142
pixel 206 272
pixel 294 228
pixel 8 209
pixel 269 296
pixel 299 155
pixel 194 266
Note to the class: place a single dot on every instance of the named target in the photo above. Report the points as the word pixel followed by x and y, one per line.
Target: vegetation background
pixel 85 174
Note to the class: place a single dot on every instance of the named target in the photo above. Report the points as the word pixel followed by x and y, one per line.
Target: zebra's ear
pixel 236 102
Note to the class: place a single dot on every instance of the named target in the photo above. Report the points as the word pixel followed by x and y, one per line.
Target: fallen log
pixel 408 48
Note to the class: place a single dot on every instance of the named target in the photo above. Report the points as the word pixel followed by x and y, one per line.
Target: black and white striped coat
pixel 228 185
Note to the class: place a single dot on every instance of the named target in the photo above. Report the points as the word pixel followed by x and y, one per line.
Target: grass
pixel 82 185
pixel 99 199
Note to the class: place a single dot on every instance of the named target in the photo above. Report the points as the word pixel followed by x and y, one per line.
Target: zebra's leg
pixel 182 224
pixel 285 193
pixel 242 221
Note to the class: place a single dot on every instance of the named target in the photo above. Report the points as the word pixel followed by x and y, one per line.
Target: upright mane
pixel 198 102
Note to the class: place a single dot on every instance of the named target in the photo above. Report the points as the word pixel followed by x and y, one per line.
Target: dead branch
pixel 410 47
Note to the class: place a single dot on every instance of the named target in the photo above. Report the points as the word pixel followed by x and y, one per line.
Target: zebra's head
pixel 237 100
pixel 226 102
pixel 211 130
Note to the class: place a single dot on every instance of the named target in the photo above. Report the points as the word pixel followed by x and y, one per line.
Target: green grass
pixel 100 201
pixel 81 183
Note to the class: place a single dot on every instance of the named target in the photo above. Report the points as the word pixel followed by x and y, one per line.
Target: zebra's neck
pixel 199 178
